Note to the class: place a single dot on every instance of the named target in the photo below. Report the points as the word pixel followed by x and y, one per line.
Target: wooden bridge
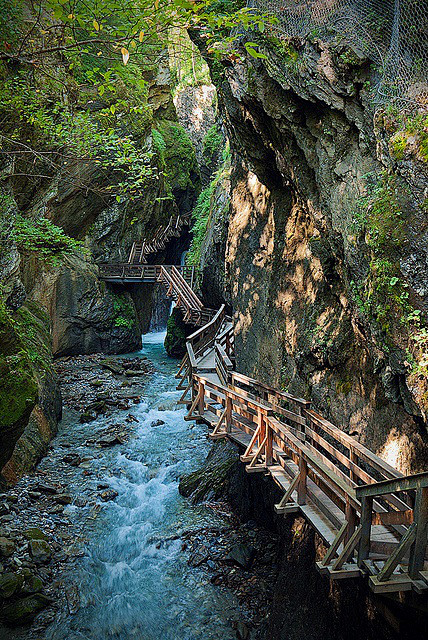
pixel 372 519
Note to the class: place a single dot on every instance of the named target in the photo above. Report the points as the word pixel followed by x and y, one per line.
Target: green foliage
pixel 177 153
pixel 212 141
pixel 379 213
pixel 43 238
pixel 384 296
pixel 202 213
pixel 124 312
pixel 408 133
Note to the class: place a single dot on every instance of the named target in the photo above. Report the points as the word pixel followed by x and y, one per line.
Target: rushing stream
pixel 134 579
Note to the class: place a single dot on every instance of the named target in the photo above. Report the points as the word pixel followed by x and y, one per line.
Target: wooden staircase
pixel 162 235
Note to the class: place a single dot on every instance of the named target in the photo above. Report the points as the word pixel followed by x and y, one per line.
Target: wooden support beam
pixel 280 507
pixel 301 487
pixel 335 545
pixel 398 554
pixel 419 546
pixel 348 549
pixel 366 525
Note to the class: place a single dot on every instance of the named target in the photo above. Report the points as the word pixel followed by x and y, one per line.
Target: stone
pixel 199 556
pixel 157 423
pixel 24 610
pixel 32 584
pixel 34 495
pixel 87 416
pixel 242 631
pixel 133 373
pixel 10 583
pixel 40 551
pixel 43 487
pixel 63 498
pixel 108 494
pixel 33 533
pixel 73 459
pixel 110 441
pixel 7 547
pixel 242 555
pixel 4 508
pixel 112 366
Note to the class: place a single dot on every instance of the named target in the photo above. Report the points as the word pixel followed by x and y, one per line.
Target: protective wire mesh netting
pixel 393 34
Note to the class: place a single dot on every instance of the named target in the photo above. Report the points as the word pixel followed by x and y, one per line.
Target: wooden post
pixel 228 417
pixel 366 527
pixel 350 517
pixel 354 459
pixel 418 548
pixel 201 404
pixel 269 443
pixel 301 487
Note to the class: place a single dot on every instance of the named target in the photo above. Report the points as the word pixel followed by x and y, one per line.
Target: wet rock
pixel 133 373
pixel 110 441
pixel 35 534
pixel 212 479
pixel 7 547
pixel 108 494
pixel 4 508
pixel 87 416
pixel 10 583
pixel 131 418
pixel 112 366
pixel 32 583
pixel 73 598
pixel 80 502
pixel 96 383
pixel 44 487
pixel 73 459
pixel 157 423
pixel 199 556
pixel 23 611
pixel 242 631
pixel 40 551
pixel 242 555
pixel 34 495
pixel 63 498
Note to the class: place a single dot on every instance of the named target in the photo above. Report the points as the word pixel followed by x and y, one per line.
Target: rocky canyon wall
pixel 326 255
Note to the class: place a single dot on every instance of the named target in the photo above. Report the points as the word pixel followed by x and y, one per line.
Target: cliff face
pixel 63 210
pixel 327 250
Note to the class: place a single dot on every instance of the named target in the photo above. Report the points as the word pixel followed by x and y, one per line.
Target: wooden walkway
pixel 372 519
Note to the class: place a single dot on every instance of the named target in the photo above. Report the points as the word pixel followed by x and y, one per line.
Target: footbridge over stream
pixel 372 519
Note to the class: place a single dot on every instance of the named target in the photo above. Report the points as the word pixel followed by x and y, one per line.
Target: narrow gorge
pixel 213 320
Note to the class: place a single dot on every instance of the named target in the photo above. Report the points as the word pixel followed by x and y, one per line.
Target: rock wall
pixel 327 250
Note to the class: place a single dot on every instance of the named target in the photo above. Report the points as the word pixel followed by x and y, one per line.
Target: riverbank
pixel 97 542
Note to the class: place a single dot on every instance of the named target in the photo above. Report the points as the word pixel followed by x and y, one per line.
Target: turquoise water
pixel 134 579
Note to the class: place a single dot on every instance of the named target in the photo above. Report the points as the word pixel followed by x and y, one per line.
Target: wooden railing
pixel 158 241
pixel 141 272
pixel 184 296
pixel 320 469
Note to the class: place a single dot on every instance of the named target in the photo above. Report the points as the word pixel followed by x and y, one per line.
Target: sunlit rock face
pixel 302 144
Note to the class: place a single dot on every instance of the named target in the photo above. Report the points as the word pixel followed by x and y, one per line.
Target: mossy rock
pixel 10 583
pixel 24 610
pixel 212 479
pixel 176 333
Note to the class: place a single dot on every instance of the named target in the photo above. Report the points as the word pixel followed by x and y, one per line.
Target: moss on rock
pixel 176 333
pixel 212 479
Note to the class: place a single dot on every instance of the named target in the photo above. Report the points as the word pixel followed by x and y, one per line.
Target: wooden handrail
pixel 405 483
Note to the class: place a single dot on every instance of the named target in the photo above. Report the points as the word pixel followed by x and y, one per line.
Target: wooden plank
pixel 395 583
pixel 405 483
